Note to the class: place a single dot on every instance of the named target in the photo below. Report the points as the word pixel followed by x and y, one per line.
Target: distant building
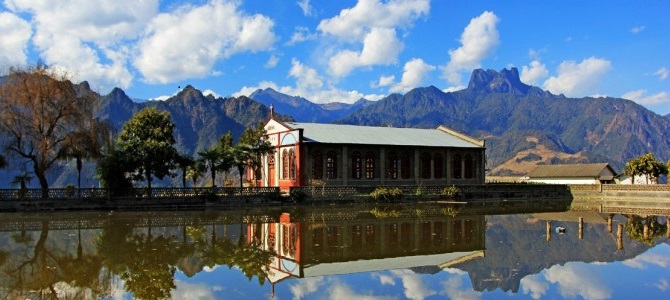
pixel 312 154
pixel 599 173
pixel 639 179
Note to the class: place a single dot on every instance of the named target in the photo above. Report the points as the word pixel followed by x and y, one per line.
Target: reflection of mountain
pixel 517 246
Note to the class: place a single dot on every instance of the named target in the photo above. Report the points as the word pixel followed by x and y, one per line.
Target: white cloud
pixel 14 36
pixel 354 23
pixel 662 73
pixel 310 85
pixel 415 72
pixel 211 92
pixel 373 24
pixel 383 81
pixel 306 7
pixel 534 285
pixel 534 73
pixel 454 88
pixel 272 62
pixel 380 47
pixel 640 96
pixel 637 29
pixel 576 279
pixel 188 42
pixel 578 79
pixel 87 38
pixel 301 34
pixel 478 40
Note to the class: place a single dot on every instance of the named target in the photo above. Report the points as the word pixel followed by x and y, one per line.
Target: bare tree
pixel 39 110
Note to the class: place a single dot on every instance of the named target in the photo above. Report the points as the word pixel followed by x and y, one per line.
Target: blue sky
pixel 343 50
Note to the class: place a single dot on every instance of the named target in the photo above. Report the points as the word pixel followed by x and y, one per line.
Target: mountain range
pixel 523 125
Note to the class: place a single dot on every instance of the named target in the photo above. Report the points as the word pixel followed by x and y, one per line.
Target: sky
pixel 328 51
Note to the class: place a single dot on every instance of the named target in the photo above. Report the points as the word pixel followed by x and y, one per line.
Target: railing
pixel 159 193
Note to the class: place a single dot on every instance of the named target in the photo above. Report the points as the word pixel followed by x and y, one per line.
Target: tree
pixel 240 156
pixel 147 140
pixel 3 162
pixel 195 171
pixel 645 165
pixel 39 109
pixel 86 144
pixel 183 162
pixel 211 160
pixel 258 147
pixel 112 169
pixel 217 158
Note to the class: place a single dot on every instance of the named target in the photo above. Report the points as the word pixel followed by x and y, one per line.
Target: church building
pixel 313 154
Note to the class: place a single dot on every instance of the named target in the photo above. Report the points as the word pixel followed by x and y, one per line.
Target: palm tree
pixel 211 157
pixel 240 156
pixel 184 162
pixel 86 144
pixel 195 171
pixel 23 180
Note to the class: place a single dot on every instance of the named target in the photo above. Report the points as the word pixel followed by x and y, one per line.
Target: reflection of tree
pixel 34 271
pixel 253 260
pixel 635 228
pixel 146 263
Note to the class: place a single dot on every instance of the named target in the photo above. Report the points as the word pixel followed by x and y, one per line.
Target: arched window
pixel 456 166
pixel 331 165
pixel 317 165
pixel 369 165
pixel 425 165
pixel 405 169
pixel 285 164
pixel 356 165
pixel 394 163
pixel 292 166
pixel 437 166
pixel 469 166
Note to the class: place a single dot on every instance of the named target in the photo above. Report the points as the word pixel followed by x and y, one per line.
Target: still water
pixel 427 251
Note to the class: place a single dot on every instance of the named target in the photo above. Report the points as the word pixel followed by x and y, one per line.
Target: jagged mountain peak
pixel 505 81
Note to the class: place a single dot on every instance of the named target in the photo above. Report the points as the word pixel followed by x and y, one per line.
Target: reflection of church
pixel 352 246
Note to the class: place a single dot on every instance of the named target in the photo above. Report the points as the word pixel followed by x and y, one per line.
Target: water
pixel 433 251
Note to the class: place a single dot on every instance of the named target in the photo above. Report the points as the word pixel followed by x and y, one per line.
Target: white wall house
pixel 572 174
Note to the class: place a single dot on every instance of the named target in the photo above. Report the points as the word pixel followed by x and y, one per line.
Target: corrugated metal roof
pixel 573 170
pixel 370 135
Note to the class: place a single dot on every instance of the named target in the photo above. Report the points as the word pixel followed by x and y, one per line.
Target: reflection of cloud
pixel 662 284
pixel 342 291
pixel 306 286
pixel 190 291
pixel 414 286
pixel 657 256
pixel 534 285
pixel 384 279
pixel 453 286
pixel 576 279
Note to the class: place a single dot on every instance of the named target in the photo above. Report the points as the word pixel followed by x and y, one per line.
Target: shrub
pixel 69 190
pixel 386 194
pixel 451 192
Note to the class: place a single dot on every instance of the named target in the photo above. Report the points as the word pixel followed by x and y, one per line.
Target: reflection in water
pixel 92 255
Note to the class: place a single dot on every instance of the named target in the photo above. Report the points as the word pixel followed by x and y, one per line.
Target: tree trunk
pixel 148 175
pixel 43 182
pixel 79 165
